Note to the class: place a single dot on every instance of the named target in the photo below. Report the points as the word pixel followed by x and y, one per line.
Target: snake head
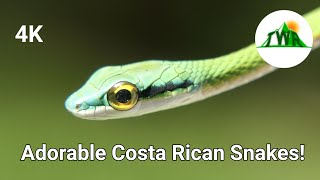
pixel 131 90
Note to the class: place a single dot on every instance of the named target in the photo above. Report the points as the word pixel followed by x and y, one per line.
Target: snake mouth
pixel 104 112
pixel 94 112
pixel 85 113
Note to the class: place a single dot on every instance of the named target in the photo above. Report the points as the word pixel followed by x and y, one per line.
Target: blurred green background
pixel 82 36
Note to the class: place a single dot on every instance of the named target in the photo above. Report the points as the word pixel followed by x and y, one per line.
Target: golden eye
pixel 123 96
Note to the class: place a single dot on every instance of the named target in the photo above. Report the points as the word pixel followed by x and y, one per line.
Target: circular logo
pixel 284 39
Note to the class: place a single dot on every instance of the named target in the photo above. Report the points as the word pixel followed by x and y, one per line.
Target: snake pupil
pixel 123 96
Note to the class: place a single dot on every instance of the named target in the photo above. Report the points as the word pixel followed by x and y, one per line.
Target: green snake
pixel 149 86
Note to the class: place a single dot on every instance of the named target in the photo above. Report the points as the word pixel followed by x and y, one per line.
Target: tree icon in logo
pixel 285 37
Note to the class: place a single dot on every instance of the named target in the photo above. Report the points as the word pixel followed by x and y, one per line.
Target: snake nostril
pixel 73 104
pixel 78 106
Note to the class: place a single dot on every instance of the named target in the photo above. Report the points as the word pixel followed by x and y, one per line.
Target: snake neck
pixel 214 76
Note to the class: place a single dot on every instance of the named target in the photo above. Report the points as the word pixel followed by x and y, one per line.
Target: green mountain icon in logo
pixel 284 37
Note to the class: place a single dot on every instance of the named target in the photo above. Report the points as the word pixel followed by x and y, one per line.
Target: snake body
pixel 149 86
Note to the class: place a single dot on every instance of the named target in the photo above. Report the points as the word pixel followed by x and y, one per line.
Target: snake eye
pixel 122 96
